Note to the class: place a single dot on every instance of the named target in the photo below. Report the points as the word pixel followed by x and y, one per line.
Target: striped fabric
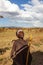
pixel 20 50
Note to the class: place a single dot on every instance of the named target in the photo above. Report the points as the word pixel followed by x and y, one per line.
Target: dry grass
pixel 7 35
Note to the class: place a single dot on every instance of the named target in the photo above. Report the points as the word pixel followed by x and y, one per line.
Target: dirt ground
pixel 36 44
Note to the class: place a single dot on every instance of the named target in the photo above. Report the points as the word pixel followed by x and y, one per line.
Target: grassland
pixel 36 47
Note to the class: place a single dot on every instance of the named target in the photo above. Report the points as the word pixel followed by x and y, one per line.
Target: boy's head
pixel 20 34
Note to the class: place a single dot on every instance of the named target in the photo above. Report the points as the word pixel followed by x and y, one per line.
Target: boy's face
pixel 21 34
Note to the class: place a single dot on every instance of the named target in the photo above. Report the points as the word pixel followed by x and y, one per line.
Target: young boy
pixel 20 49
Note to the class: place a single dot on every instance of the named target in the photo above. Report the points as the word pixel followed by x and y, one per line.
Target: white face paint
pixel 19 31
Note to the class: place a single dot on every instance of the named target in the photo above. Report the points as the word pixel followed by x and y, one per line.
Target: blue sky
pixel 19 2
pixel 5 22
pixel 21 13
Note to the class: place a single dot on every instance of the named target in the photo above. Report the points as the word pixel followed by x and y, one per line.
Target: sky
pixel 21 13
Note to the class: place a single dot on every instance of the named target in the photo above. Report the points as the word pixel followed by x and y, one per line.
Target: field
pixel 36 47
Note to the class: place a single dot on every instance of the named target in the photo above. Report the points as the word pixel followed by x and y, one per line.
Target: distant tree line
pixel 29 29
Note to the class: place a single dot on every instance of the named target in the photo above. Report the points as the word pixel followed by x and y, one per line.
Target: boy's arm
pixel 13 49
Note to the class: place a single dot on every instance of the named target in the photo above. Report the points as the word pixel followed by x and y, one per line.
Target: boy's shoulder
pixel 13 41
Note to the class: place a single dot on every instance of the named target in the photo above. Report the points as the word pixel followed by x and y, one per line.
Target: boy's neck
pixel 21 38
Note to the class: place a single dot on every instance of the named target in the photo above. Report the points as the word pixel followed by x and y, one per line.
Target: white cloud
pixel 35 2
pixel 35 11
pixel 31 13
pixel 38 24
pixel 6 5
